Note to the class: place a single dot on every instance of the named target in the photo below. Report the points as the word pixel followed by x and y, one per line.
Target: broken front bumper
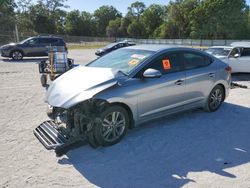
pixel 70 128
pixel 49 135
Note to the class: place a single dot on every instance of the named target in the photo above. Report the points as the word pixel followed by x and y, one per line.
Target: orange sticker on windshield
pixel 133 62
pixel 166 64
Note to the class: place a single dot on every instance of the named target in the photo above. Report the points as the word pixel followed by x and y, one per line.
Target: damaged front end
pixel 70 128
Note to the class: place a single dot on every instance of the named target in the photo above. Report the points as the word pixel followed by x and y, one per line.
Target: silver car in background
pixel 133 85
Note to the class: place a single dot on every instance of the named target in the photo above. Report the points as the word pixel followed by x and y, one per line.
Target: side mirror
pixel 152 73
pixel 236 55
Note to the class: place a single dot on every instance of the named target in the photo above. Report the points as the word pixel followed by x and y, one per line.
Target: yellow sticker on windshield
pixel 133 62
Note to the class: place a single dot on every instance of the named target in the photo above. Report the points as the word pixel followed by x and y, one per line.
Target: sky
pixel 121 5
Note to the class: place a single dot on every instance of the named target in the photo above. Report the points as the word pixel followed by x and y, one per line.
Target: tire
pixel 112 127
pixel 43 80
pixel 17 55
pixel 215 99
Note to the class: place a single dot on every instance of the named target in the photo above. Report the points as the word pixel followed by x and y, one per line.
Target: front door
pixel 159 96
pixel 33 47
pixel 240 63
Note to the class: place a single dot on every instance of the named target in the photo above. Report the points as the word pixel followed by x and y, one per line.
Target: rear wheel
pixel 17 55
pixel 113 126
pixel 215 99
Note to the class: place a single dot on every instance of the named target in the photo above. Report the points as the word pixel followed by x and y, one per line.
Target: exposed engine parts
pixel 75 126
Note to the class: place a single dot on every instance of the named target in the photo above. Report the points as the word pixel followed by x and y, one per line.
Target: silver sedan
pixel 133 85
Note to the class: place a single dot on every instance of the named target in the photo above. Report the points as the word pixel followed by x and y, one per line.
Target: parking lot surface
pixel 194 149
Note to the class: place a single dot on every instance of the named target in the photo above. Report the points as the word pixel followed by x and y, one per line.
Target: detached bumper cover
pixel 49 135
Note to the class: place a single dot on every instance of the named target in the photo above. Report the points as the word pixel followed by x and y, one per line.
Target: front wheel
pixel 215 99
pixel 17 55
pixel 112 127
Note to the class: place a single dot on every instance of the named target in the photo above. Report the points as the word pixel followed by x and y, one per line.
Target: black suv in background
pixel 31 47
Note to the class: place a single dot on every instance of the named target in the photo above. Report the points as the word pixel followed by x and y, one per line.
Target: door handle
pixel 212 75
pixel 179 82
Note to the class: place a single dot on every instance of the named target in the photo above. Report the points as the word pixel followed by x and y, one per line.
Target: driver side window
pixel 32 41
pixel 167 63
pixel 234 52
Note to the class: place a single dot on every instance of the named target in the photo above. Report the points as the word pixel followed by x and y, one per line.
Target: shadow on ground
pixel 25 60
pixel 162 153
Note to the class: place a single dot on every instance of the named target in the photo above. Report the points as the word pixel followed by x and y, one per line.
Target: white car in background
pixel 236 56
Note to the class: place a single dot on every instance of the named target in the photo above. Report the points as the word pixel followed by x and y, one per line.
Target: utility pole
pixel 17 34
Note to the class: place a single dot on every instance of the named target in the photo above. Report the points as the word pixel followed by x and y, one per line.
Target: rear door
pixel 200 76
pixel 46 43
pixel 159 96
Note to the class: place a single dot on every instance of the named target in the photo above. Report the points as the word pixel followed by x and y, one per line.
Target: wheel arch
pixel 130 113
pixel 20 50
pixel 224 86
pixel 224 89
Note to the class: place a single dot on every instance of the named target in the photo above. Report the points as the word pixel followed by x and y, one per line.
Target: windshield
pixel 22 42
pixel 124 60
pixel 219 51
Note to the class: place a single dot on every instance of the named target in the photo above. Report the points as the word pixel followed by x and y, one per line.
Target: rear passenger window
pixel 120 45
pixel 48 41
pixel 194 60
pixel 245 52
pixel 167 63
pixel 53 41
pixel 44 41
pixel 61 42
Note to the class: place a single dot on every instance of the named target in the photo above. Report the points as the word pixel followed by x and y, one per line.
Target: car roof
pixel 121 42
pixel 155 47
pixel 241 44
pixel 221 47
pixel 126 41
pixel 47 36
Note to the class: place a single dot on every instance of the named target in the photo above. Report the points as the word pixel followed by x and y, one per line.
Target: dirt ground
pixel 194 149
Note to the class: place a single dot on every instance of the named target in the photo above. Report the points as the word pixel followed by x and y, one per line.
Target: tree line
pixel 196 19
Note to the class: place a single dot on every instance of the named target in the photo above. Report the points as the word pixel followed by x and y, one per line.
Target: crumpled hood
pixel 79 84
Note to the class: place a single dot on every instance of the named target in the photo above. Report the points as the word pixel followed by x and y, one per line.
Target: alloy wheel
pixel 216 98
pixel 17 55
pixel 113 126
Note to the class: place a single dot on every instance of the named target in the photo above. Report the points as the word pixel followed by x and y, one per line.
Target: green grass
pixel 82 47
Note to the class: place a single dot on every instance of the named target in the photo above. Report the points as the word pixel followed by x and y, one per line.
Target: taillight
pixel 228 69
